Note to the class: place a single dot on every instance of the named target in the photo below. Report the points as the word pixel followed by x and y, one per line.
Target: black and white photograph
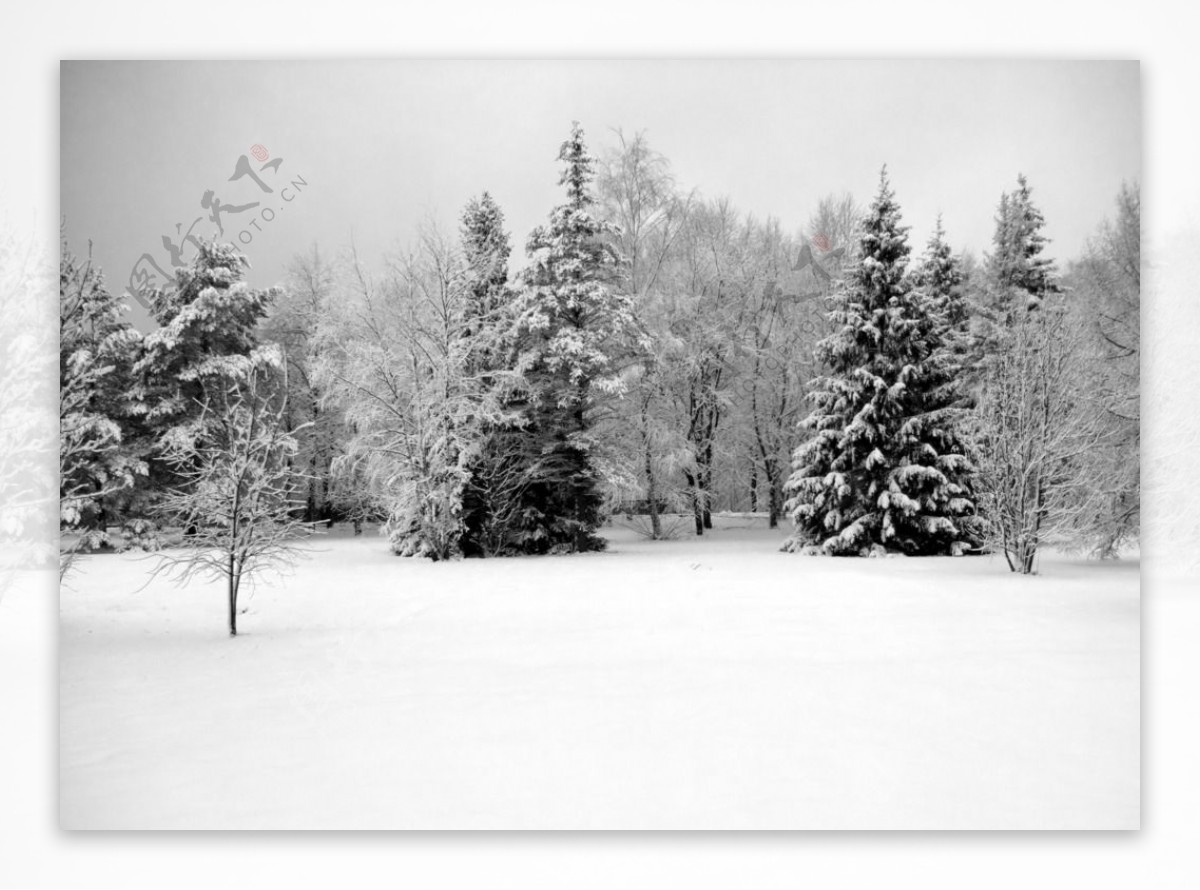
pixel 620 445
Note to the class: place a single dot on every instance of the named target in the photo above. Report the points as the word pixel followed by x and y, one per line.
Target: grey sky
pixel 383 145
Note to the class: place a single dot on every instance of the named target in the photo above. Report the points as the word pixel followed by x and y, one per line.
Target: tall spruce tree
pixel 939 273
pixel 1019 277
pixel 486 249
pixel 490 495
pixel 572 330
pixel 885 466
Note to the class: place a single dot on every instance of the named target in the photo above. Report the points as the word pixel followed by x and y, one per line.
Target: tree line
pixel 659 354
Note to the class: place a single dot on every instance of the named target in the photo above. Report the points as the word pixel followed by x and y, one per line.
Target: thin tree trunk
pixel 652 495
pixel 1032 545
pixel 705 497
pixel 232 598
pixel 1008 557
pixel 235 574
pixel 651 480
pixel 697 509
pixel 772 501
pixel 314 501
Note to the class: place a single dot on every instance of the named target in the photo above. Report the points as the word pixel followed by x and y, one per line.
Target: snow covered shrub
pixel 140 534
pixel 427 514
pixel 93 540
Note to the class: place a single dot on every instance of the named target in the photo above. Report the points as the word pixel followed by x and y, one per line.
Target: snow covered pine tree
pixel 939 274
pixel 572 330
pixel 96 346
pixel 207 339
pixel 491 500
pixel 885 469
pixel 1019 276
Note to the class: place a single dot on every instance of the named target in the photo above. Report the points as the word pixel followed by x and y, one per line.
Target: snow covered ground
pixel 697 683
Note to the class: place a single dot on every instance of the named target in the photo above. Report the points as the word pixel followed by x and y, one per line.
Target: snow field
pixel 698 683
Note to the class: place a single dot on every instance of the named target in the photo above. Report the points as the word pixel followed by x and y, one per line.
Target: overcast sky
pixel 384 145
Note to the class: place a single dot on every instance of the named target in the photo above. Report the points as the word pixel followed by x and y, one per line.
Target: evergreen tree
pixel 207 335
pixel 1020 277
pixel 572 331
pixel 885 467
pixel 486 249
pixel 490 497
pixel 96 349
pixel 939 274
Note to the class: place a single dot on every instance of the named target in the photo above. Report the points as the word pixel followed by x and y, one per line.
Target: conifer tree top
pixel 883 244
pixel 938 237
pixel 482 229
pixel 937 265
pixel 579 170
pixel 1017 261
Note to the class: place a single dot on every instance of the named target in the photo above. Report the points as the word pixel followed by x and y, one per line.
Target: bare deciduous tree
pixel 1105 289
pixel 237 492
pixel 638 193
pixel 1035 429
pixel 293 322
